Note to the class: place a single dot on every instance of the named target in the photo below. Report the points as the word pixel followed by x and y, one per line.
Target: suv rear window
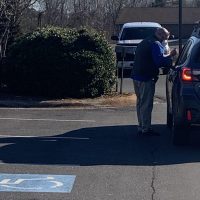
pixel 135 33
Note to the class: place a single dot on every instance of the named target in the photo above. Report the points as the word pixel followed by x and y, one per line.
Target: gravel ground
pixel 103 101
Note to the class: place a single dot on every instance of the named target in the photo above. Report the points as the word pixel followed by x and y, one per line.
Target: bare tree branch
pixel 10 15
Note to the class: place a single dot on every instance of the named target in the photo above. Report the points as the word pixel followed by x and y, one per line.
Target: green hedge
pixel 59 62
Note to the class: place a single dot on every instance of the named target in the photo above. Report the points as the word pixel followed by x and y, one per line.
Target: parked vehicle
pixel 130 36
pixel 183 90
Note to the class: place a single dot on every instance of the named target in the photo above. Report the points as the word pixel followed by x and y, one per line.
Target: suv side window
pixel 184 54
pixel 197 55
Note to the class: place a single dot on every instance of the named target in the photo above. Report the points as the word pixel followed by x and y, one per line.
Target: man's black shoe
pixel 150 133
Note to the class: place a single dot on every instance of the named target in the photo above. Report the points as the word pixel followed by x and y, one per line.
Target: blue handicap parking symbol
pixel 36 183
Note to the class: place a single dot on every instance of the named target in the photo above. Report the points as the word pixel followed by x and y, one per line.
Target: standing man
pixel 148 59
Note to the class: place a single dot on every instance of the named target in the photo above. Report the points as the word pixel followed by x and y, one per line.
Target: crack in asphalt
pixel 152 182
pixel 153 173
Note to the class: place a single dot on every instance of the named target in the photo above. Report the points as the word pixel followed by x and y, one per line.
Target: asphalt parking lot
pixel 92 153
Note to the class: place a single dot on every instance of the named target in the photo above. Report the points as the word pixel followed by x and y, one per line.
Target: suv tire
pixel 180 127
pixel 179 133
pixel 169 118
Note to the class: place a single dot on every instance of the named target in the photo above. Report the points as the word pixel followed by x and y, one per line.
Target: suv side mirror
pixel 114 37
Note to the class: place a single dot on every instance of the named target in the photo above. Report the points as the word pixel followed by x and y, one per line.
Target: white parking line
pixel 63 108
pixel 56 120
pixel 43 137
pixel 39 164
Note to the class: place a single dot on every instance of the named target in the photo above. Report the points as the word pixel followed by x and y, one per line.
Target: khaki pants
pixel 145 94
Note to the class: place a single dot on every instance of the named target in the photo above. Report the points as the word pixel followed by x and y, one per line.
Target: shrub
pixel 59 62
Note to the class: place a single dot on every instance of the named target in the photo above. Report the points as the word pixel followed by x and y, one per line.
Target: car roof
pixel 141 24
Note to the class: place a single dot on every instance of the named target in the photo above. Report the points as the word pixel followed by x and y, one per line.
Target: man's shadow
pixel 109 145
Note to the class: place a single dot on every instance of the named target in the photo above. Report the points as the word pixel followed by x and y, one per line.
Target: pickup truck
pixel 130 36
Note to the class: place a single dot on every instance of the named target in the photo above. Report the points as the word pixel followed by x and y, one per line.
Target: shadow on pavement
pixel 110 145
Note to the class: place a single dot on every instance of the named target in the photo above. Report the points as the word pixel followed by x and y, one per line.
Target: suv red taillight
pixel 186 74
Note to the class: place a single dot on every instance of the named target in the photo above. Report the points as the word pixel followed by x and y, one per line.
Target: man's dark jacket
pixel 143 63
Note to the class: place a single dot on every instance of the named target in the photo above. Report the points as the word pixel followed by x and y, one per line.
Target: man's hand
pixel 173 52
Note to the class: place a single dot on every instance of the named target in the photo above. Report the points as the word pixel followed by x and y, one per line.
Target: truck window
pixel 134 33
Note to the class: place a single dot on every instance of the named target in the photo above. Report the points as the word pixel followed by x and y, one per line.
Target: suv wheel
pixel 169 118
pixel 179 132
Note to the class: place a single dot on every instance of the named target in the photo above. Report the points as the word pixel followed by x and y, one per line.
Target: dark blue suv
pixel 183 90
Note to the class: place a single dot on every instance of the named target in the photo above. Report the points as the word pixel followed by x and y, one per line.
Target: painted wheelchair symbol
pixel 20 183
